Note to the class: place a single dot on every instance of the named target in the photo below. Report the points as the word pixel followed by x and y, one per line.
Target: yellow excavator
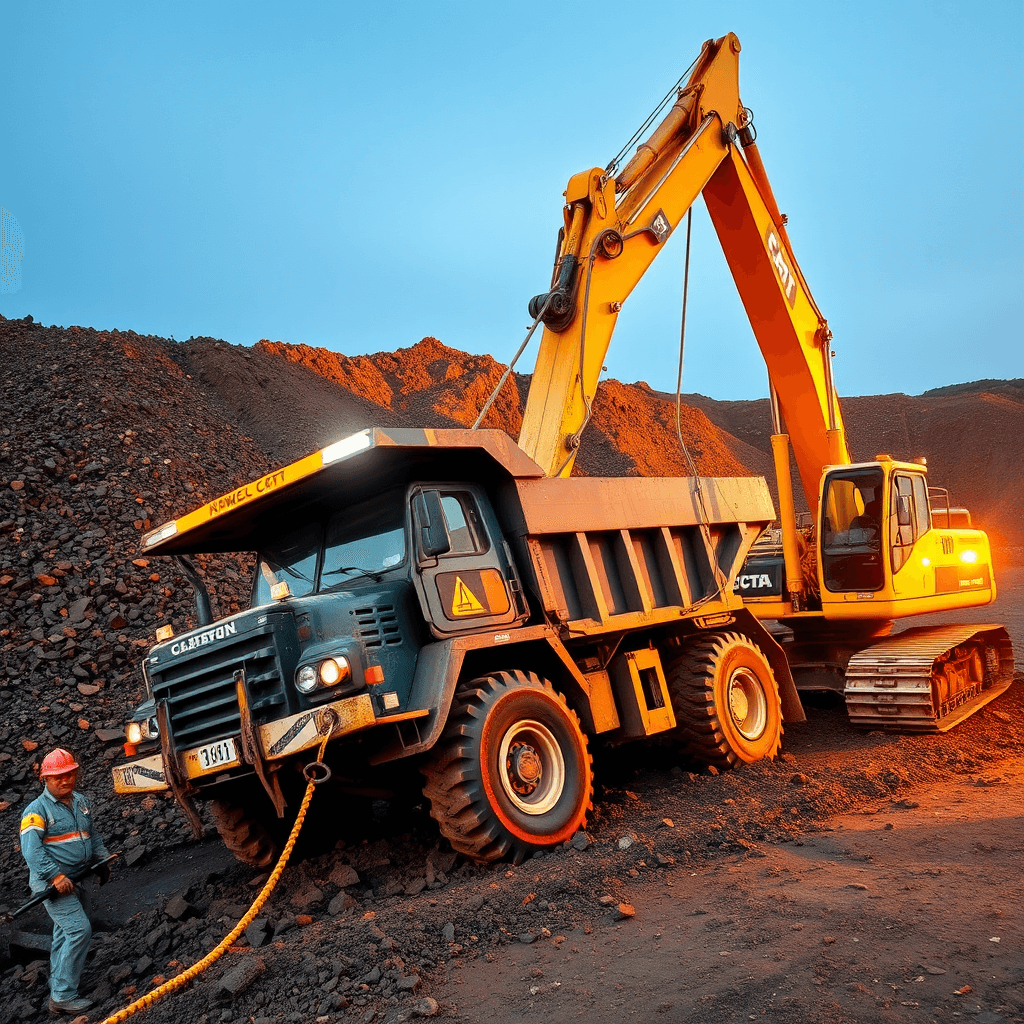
pixel 880 545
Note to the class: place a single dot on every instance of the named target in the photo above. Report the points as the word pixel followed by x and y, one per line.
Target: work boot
pixel 74 1006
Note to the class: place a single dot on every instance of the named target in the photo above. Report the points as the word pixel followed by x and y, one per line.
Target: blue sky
pixel 360 177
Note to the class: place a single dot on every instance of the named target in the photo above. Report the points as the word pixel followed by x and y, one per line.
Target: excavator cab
pixel 881 554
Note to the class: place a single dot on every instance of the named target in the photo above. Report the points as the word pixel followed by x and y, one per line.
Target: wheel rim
pixel 748 705
pixel 531 767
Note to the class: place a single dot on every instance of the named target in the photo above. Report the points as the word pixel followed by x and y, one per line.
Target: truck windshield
pixel 362 547
pixel 292 561
pixel 352 544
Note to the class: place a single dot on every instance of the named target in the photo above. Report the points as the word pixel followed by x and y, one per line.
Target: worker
pixel 870 520
pixel 58 839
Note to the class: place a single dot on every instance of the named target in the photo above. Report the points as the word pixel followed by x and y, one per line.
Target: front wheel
pixel 726 701
pixel 247 832
pixel 511 772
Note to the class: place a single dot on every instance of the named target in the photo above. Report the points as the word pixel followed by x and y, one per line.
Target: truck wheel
pixel 511 772
pixel 243 834
pixel 726 702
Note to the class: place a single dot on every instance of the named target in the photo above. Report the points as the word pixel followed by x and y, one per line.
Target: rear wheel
pixel 511 772
pixel 726 701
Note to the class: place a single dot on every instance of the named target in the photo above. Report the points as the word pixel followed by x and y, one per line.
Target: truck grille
pixel 378 626
pixel 200 690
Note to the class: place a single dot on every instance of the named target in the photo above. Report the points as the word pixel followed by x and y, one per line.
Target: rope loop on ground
pixel 215 954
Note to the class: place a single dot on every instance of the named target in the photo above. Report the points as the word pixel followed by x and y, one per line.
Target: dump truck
pixel 431 597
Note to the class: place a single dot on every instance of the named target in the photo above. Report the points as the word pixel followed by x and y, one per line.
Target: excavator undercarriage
pixel 929 678
pixel 926 679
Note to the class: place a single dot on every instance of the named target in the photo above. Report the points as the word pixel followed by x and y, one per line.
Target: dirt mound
pixel 431 385
pixel 109 435
pixel 642 422
pixel 967 432
pixel 426 383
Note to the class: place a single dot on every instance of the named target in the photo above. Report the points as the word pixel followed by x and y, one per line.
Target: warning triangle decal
pixel 463 600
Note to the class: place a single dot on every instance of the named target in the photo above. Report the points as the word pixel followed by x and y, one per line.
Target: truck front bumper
pixel 277 740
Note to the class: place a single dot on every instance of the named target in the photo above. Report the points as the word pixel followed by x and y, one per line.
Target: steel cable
pixel 698 491
pixel 613 166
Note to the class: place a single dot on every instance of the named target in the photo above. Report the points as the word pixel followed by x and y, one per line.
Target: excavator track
pixel 929 678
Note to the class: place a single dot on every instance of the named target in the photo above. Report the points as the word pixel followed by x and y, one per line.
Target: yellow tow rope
pixel 215 954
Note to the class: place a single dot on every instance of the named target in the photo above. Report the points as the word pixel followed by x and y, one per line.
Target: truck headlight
pixel 146 729
pixel 328 672
pixel 306 679
pixel 334 670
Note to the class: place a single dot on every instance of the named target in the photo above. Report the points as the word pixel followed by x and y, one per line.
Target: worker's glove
pixel 103 873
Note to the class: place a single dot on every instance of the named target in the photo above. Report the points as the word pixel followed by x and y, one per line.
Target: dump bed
pixel 611 553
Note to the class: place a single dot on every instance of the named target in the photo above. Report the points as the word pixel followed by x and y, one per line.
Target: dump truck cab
pixel 359 563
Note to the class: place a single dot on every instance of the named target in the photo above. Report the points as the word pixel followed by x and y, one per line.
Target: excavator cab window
pixel 851 530
pixel 908 515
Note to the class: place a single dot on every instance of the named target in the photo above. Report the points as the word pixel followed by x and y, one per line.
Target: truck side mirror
pixel 430 528
pixel 904 513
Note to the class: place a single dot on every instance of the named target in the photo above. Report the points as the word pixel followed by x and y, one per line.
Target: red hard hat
pixel 57 762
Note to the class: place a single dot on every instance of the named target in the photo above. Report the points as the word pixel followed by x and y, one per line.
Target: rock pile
pixel 104 434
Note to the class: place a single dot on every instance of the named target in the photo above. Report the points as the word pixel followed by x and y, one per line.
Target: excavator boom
pixel 615 227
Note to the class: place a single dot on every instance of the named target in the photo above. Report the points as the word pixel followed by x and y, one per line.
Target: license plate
pixel 212 757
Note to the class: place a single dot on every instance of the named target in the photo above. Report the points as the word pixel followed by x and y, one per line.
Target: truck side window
pixel 463 524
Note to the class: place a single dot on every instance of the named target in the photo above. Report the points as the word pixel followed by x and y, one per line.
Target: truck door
pixel 464 579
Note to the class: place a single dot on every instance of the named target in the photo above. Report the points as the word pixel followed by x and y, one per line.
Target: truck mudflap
pixel 929 678
pixel 276 741
pixel 792 706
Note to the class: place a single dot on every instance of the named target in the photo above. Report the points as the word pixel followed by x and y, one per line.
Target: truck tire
pixel 243 834
pixel 726 702
pixel 511 772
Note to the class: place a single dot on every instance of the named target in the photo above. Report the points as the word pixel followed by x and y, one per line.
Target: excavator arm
pixel 614 229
